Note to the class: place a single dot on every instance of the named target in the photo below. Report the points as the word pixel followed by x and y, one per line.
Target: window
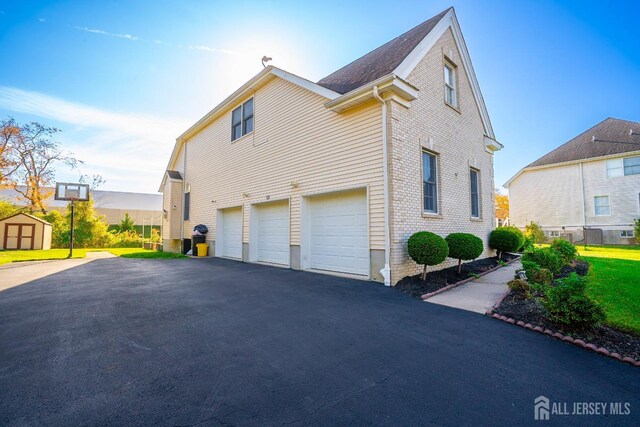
pixel 614 168
pixel 632 165
pixel 626 233
pixel 429 182
pixel 450 96
pixel 602 206
pixel 554 233
pixel 475 196
pixel 242 120
pixel 187 204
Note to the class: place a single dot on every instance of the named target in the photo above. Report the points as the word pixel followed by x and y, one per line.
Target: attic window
pixel 242 120
pixel 450 85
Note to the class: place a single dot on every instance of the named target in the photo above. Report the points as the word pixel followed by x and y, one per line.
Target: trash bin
pixel 196 239
pixel 203 249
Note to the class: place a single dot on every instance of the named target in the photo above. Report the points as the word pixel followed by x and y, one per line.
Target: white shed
pixel 23 231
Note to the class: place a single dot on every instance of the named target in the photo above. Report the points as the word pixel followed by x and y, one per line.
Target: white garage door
pixel 232 233
pixel 338 238
pixel 272 222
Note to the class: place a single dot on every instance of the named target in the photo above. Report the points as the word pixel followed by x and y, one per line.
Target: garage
pixel 338 232
pixel 229 233
pixel 270 232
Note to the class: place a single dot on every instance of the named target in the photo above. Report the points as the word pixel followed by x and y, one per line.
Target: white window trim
pixel 448 64
pixel 479 216
pixel 623 167
pixel 437 182
pixel 609 203
pixel 241 107
pixel 626 237
pixel 554 233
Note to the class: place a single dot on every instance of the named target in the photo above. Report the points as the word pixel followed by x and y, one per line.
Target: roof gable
pixel 27 215
pixel 381 61
pixel 610 136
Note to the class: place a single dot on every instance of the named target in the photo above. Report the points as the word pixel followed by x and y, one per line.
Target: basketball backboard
pixel 72 192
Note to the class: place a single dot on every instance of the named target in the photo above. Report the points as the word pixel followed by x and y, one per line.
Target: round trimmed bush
pixel 427 248
pixel 464 246
pixel 506 239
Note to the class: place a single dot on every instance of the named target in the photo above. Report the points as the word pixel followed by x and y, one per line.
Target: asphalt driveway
pixel 209 342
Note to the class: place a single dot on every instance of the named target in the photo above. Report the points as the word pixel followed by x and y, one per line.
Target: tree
pixel 427 248
pixel 7 209
pixel 464 246
pixel 637 229
pixel 90 230
pixel 127 223
pixel 28 160
pixel 502 205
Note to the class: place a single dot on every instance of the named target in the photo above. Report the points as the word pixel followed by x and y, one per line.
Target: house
pixel 23 231
pixel 335 176
pixel 113 205
pixel 587 188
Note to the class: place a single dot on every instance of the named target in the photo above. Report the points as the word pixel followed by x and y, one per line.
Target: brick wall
pixel 457 137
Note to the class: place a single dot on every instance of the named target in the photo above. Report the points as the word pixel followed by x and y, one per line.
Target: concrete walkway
pixel 480 294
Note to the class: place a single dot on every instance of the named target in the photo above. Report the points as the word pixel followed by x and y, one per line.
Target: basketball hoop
pixel 71 193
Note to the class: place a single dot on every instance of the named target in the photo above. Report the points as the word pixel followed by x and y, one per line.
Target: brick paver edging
pixel 462 282
pixel 566 338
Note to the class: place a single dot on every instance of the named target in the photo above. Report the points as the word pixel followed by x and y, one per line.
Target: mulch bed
pixel 531 311
pixel 416 287
pixel 515 306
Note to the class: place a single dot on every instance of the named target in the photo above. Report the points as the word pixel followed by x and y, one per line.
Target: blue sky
pixel 124 79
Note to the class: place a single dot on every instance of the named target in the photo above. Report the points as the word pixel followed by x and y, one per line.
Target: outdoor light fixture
pixel 266 59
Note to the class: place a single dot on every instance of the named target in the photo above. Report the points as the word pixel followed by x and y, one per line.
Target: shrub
pixel 534 232
pixel 636 230
pixel 566 249
pixel 568 304
pixel 540 276
pixel 127 223
pixel 545 257
pixel 527 243
pixel 427 248
pixel 518 285
pixel 464 246
pixel 506 239
pixel 125 239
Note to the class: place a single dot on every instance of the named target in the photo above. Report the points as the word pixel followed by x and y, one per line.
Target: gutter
pixel 386 270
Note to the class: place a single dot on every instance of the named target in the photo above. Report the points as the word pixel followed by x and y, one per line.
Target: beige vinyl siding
pixel 295 138
pixel 41 232
pixel 552 196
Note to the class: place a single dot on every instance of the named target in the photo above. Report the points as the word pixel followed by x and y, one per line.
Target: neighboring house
pixel 335 176
pixel 590 183
pixel 111 204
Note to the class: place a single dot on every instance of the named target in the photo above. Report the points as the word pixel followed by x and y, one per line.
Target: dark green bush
pixel 566 249
pixel 464 246
pixel 506 239
pixel 427 248
pixel 568 303
pixel 545 257
pixel 527 243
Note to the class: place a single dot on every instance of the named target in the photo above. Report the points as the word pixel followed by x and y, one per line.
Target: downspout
pixel 386 271
pixel 184 187
pixel 584 205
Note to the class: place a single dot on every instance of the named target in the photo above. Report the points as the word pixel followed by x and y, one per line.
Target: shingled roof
pixel 610 136
pixel 381 61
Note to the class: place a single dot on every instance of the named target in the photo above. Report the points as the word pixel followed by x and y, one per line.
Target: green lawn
pixel 615 283
pixel 13 256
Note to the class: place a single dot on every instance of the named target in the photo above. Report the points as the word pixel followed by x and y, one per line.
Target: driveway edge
pixel 426 296
pixel 566 338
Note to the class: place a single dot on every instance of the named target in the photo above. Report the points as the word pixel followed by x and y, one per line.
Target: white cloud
pixel 214 50
pixel 106 33
pixel 130 150
pixel 42 20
